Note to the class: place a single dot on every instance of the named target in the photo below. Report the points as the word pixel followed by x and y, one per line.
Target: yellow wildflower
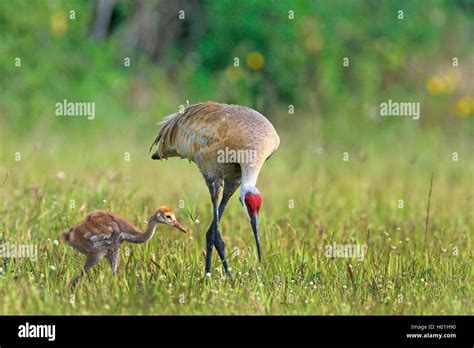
pixel 58 23
pixel 435 85
pixel 255 60
pixel 465 106
pixel 234 73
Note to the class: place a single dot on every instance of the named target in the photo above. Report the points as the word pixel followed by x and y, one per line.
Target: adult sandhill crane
pixel 102 232
pixel 229 144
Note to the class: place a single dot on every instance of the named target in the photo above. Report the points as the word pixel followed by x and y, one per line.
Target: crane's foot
pixel 208 262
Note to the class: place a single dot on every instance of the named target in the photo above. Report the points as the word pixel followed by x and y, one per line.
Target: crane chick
pixel 102 232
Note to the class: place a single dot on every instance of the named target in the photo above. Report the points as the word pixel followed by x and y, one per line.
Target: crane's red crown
pixel 253 202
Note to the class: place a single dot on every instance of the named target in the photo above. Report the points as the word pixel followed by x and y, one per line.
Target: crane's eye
pixel 168 217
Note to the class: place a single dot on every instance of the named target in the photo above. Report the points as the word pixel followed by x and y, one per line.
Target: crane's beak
pixel 254 223
pixel 178 226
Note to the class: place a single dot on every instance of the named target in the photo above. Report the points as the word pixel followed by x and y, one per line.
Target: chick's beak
pixel 176 224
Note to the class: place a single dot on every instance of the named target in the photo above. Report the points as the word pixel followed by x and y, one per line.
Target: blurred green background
pixel 289 52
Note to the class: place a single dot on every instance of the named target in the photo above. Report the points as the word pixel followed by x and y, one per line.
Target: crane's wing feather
pixel 101 225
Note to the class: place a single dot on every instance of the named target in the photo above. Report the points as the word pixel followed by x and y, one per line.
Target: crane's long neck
pixel 249 178
pixel 142 237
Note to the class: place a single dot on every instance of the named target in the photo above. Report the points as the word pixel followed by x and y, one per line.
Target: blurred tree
pixel 103 16
pixel 152 26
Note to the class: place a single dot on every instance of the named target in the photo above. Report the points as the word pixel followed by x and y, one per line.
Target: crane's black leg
pixel 214 186
pixel 91 261
pixel 229 188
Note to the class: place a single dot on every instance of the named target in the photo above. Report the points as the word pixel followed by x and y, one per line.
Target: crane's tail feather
pixel 166 124
pixel 165 140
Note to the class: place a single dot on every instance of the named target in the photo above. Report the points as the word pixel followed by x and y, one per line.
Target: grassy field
pixel 311 198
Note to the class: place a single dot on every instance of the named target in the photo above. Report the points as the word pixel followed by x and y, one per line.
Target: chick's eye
pixel 168 216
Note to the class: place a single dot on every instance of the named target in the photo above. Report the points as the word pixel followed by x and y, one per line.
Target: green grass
pixel 405 271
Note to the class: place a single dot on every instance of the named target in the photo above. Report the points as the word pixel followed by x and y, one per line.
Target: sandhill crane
pixel 204 133
pixel 102 232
